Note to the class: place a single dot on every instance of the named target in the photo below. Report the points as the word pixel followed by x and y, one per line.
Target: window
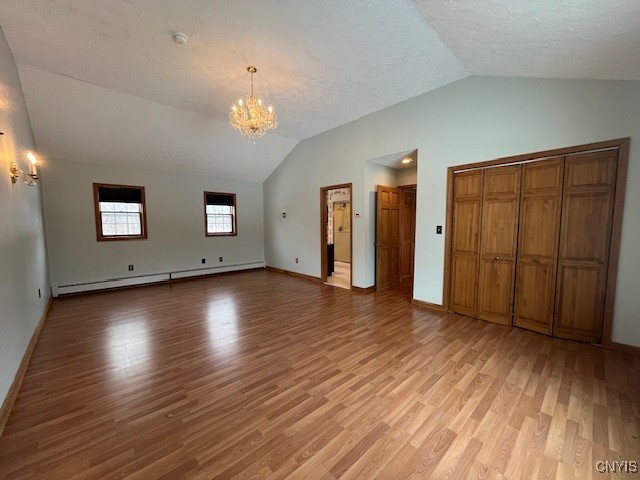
pixel 220 213
pixel 120 212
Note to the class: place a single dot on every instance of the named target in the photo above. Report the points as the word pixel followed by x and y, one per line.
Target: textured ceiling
pixel 104 81
pixel 320 63
pixel 394 160
pixel 597 39
pixel 84 122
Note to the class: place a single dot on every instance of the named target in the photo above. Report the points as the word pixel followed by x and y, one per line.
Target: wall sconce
pixel 30 178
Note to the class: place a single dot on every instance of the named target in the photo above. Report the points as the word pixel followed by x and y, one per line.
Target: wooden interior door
pixel 496 279
pixel 408 233
pixel 540 207
pixel 388 212
pixel 585 237
pixel 465 246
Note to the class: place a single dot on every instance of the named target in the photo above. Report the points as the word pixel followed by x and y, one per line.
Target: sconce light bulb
pixel 32 158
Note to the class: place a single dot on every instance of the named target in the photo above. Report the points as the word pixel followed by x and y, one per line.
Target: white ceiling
pixel 321 63
pixel 597 39
pixel 394 160
pixel 84 122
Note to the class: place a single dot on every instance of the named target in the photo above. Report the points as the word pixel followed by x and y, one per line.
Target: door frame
pixel 622 145
pixel 323 229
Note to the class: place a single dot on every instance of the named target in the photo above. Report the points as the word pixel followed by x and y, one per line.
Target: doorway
pixel 394 181
pixel 395 236
pixel 336 235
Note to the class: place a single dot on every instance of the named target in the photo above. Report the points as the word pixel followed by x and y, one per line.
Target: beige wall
pixel 175 220
pixel 472 120
pixel 23 263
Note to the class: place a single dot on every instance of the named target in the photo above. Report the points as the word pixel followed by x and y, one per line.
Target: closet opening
pixel 336 235
pixel 532 241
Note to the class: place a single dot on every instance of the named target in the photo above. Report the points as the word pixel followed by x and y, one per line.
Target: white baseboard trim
pixel 214 270
pixel 58 290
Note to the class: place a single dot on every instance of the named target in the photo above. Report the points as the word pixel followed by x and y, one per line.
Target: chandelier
pixel 251 118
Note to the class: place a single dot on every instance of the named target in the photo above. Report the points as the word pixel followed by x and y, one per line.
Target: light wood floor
pixel 265 375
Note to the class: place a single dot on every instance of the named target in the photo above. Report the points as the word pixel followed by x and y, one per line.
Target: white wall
pixel 175 223
pixel 23 263
pixel 408 176
pixel 475 119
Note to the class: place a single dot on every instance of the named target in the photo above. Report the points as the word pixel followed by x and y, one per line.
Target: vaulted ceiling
pixel 105 83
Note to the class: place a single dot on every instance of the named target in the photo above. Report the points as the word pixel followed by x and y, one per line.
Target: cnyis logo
pixel 617 466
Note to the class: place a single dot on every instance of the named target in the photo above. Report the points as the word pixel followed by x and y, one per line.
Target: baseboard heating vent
pixel 58 290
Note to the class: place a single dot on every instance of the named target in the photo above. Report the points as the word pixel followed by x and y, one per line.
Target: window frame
pixel 96 206
pixel 234 222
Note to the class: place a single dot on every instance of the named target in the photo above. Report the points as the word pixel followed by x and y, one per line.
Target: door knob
pixel 535 260
pixel 497 258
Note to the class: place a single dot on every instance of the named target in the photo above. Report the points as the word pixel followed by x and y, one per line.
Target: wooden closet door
pixel 467 203
pixel 587 215
pixel 539 227
pixel 500 205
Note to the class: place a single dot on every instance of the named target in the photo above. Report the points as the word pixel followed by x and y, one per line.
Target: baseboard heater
pixel 58 290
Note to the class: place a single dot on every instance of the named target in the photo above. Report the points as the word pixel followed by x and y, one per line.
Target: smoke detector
pixel 180 38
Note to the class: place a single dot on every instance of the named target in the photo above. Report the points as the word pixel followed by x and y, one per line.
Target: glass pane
pixel 106 207
pixel 108 218
pixel 108 229
pixel 135 229
pixel 133 207
pixel 121 229
pixel 121 218
pixel 220 223
pixel 134 218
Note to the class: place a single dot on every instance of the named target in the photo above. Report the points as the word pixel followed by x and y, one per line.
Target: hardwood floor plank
pixel 263 375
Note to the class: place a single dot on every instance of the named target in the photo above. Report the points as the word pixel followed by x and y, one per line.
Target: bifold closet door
pixel 540 207
pixel 467 204
pixel 585 237
pixel 499 230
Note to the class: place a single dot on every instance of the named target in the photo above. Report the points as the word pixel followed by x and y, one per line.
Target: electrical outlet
pixel 439 230
pixel 204 260
pixel 131 268
pixel 296 259
pixel 39 294
pixel 219 259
